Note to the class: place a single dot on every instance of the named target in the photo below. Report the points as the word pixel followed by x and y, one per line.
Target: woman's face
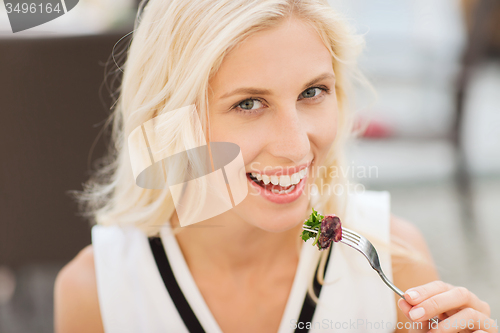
pixel 274 96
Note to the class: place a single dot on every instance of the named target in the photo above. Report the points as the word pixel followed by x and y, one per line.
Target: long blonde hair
pixel 177 46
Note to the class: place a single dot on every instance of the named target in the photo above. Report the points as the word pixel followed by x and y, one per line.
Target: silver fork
pixel 363 245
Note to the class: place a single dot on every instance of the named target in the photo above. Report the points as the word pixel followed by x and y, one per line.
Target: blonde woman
pixel 270 76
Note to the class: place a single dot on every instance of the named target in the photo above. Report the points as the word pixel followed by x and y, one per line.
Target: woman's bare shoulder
pixel 76 304
pixel 409 233
pixel 411 270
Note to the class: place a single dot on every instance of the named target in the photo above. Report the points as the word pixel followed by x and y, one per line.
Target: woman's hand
pixel 458 309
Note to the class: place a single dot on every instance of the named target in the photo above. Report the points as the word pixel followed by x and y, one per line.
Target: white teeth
pixel 303 173
pixel 283 191
pixel 293 179
pixel 256 175
pixel 285 180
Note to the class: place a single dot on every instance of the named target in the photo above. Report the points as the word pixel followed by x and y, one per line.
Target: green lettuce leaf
pixel 313 222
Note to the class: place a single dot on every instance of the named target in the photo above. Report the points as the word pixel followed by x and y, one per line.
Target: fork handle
pixel 398 291
pixel 390 284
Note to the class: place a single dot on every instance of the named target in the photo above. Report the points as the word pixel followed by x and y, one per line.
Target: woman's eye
pixel 311 92
pixel 249 104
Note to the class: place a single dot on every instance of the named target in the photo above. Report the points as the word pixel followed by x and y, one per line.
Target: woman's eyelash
pixel 323 88
pixel 238 109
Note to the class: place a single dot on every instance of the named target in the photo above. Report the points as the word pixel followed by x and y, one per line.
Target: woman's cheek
pixel 251 139
pixel 324 131
pixel 251 146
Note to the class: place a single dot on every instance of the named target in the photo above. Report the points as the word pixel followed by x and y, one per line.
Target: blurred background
pixel 432 137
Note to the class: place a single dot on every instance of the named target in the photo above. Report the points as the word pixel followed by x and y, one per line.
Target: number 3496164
pixel 32 8
pixel 464 324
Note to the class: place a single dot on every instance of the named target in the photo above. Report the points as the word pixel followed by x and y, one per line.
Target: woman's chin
pixel 279 227
pixel 279 220
pixel 270 216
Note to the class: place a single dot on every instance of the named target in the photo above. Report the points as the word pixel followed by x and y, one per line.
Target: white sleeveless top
pixel 133 296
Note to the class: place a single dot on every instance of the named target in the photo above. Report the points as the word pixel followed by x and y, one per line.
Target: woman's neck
pixel 229 245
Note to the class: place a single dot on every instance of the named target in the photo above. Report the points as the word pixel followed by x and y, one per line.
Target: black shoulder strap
pixel 185 311
pixel 182 305
pixel 309 306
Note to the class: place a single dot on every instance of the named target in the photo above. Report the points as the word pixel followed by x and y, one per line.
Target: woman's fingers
pixel 416 295
pixel 454 299
pixel 405 307
pixel 466 320
pixel 438 297
pixel 458 309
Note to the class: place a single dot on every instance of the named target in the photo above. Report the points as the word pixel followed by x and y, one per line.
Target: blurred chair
pixel 483 23
pixel 51 115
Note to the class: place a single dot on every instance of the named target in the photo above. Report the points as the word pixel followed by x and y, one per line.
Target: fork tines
pixel 349 235
pixel 309 229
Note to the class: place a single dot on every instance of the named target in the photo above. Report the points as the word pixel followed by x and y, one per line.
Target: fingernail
pixel 412 294
pixel 417 313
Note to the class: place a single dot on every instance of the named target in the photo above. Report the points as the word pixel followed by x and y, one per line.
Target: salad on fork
pixel 327 229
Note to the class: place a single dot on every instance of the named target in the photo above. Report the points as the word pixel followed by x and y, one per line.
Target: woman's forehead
pixel 291 51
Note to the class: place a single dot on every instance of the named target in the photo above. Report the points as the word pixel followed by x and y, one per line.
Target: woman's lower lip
pixel 280 198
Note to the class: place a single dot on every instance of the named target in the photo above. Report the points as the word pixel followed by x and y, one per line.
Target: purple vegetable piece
pixel 331 230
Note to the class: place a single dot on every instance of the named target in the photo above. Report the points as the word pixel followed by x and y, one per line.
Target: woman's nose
pixel 290 139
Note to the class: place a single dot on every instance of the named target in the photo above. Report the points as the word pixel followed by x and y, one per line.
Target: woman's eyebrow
pixel 319 78
pixel 250 91
pixel 257 91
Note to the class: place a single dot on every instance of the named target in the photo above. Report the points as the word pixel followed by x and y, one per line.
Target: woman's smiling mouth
pixel 280 185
